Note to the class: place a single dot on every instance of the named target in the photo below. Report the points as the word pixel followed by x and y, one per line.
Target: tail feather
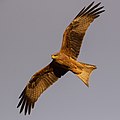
pixel 84 75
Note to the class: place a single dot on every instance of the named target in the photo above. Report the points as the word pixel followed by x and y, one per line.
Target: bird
pixel 63 61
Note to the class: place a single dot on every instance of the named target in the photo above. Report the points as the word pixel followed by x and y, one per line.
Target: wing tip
pixel 26 107
pixel 91 10
pixel 25 104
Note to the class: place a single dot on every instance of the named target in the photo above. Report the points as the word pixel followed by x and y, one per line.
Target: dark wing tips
pixel 91 11
pixel 84 10
pixel 25 104
pixel 89 6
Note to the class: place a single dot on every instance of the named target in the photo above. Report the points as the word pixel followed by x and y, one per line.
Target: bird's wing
pixel 74 33
pixel 39 82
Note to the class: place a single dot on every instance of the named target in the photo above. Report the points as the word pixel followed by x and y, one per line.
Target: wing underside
pixel 74 33
pixel 39 82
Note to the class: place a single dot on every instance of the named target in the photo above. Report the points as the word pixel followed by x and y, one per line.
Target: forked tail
pixel 84 75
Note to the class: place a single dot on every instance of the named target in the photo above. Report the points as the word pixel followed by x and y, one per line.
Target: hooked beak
pixel 53 56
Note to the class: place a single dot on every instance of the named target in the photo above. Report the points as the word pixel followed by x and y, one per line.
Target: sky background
pixel 30 31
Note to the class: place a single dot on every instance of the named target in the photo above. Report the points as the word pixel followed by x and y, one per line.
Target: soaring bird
pixel 63 61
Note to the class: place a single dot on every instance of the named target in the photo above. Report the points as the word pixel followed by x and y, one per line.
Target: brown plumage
pixel 63 61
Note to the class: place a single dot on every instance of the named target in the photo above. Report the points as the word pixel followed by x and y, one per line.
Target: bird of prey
pixel 63 61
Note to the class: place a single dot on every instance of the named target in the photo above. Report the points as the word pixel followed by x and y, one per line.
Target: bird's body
pixel 63 61
pixel 82 70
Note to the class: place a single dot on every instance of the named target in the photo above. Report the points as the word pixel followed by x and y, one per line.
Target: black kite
pixel 63 61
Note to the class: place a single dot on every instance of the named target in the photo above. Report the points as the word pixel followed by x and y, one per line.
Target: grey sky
pixel 30 31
